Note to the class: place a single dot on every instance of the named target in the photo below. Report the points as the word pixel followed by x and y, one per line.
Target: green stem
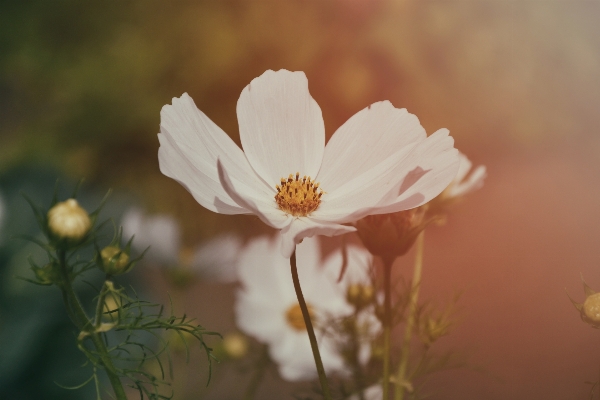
pixel 357 370
pixel 387 325
pixel 410 322
pixel 261 367
pixel 83 323
pixel 309 329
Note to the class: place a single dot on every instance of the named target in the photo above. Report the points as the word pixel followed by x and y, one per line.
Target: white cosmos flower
pixel 267 307
pixel 214 260
pixel 462 185
pixel 379 161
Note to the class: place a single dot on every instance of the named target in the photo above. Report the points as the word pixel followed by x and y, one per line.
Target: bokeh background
pixel 517 84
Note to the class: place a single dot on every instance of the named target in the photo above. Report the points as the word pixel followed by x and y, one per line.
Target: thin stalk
pixel 387 325
pixel 357 370
pixel 414 297
pixel 309 328
pixel 261 367
pixel 83 323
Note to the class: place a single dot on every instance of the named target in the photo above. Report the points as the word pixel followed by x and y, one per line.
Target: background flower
pixel 267 308
pixel 213 260
pixel 461 184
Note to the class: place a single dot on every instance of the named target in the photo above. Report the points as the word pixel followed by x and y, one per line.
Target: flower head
pixel 267 308
pixel 68 220
pixel 379 161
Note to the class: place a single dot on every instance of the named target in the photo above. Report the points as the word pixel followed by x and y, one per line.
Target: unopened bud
pixel 391 235
pixel 114 260
pixel 360 295
pixel 48 274
pixel 591 307
pixel 67 220
pixel 235 345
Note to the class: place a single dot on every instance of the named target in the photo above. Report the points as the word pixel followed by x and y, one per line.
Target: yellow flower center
pixel 294 316
pixel 298 197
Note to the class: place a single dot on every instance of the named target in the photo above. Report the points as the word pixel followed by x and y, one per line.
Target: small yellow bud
pixel 48 274
pixel 591 307
pixel 360 295
pixel 235 345
pixel 114 260
pixel 68 220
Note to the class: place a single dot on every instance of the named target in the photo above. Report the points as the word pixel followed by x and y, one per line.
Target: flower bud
pixel 391 235
pixel 360 295
pixel 591 308
pixel 235 345
pixel 431 328
pixel 47 275
pixel 67 220
pixel 115 261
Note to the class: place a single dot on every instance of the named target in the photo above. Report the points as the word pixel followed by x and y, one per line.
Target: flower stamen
pixel 298 197
pixel 295 319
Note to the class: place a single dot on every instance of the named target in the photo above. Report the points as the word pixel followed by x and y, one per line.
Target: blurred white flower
pixel 380 161
pixel 214 260
pixel 159 232
pixel 359 265
pixel 462 185
pixel 267 308
pixel 374 392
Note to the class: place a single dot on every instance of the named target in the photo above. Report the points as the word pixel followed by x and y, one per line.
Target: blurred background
pixel 516 83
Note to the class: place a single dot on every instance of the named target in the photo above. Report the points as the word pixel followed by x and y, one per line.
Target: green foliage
pixel 124 336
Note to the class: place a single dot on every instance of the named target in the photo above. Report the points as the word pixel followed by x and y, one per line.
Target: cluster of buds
pixel 360 295
pixel 68 226
pixel 590 308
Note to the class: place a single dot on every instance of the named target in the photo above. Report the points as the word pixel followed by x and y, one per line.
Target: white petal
pixel 281 126
pixel 359 196
pixel 368 137
pixel 261 265
pixel 247 198
pixel 301 228
pixel 359 263
pixel 206 190
pixel 473 182
pixel 435 156
pixel 464 167
pixel 216 259
pixel 190 145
